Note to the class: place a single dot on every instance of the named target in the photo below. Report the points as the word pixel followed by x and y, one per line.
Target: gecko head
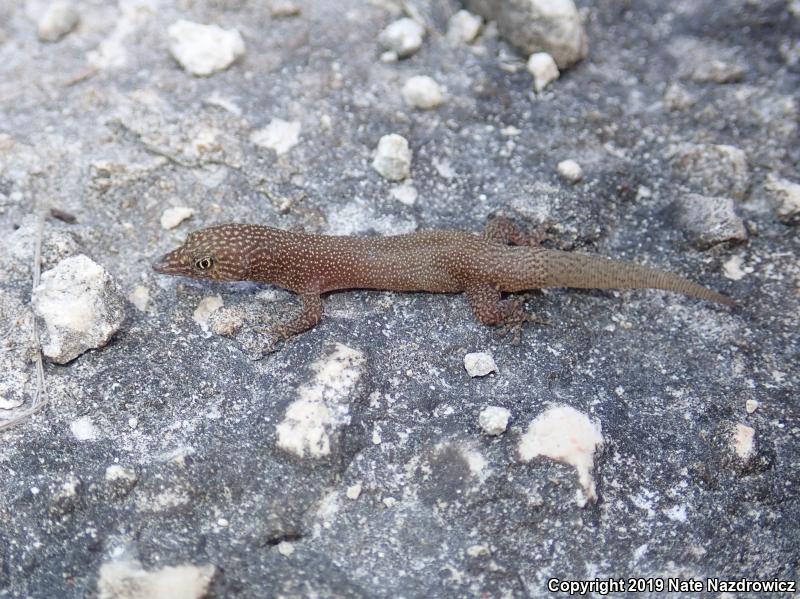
pixel 216 253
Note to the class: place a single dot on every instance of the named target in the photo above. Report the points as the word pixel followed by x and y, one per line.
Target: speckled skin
pixel 482 266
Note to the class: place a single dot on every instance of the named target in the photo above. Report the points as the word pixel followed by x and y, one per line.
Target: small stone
pixel 710 220
pixel 717 71
pixel 83 429
pixel 422 92
pixel 279 135
pixel 393 157
pixel 751 405
pixel 463 27
pixel 354 491
pixel 570 170
pixel 389 502
pixel 280 9
pixel 81 305
pixel 172 217
pixel 403 37
pixel 389 56
pixel 712 169
pixel 479 364
pixel 552 26
pixel 58 20
pixel 677 97
pixel 544 70
pixel 732 268
pixel 115 473
pixel 140 297
pixel 285 548
pixel 206 307
pixel 744 441
pixel 494 420
pixel 786 195
pixel 129 580
pixel 204 49
pixel 405 193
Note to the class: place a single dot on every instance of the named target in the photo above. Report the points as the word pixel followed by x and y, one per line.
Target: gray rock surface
pixel 709 220
pixel 171 450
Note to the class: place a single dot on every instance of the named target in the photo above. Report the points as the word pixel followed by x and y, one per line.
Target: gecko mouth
pixel 166 266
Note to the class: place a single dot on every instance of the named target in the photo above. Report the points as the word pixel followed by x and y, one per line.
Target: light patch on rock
pixel 544 70
pixel 570 171
pixel 403 37
pixel 565 435
pixel 140 297
pixel 475 461
pixel 481 550
pixel 281 9
pixel 677 513
pixel 393 157
pixel 204 49
pixel 444 168
pixel 117 473
pixel 81 305
pixel 310 420
pixel 494 420
pixel 206 307
pixel 285 548
pixel 112 52
pixel 405 193
pixel 354 491
pixel 84 430
pixel 128 580
pixel 715 170
pixel 422 92
pixel 744 441
pixel 463 27
pixel 732 268
pixel 751 405
pixel 389 502
pixel 279 136
pixel 479 364
pixel 786 195
pixel 10 404
pixel 710 220
pixel 58 20
pixel 172 217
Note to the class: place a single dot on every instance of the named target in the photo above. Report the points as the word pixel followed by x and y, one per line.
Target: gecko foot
pixel 515 319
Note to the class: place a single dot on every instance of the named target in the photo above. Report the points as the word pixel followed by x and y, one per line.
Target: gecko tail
pixel 584 271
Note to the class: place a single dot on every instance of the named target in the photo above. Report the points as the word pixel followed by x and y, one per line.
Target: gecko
pixel 503 259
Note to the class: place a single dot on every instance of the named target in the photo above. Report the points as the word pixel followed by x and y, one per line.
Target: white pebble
pixel 422 92
pixel 393 157
pixel 83 429
pixel 389 501
pixel 204 49
pixel 140 297
pixel 570 170
pixel 494 420
pixel 354 491
pixel 405 193
pixel 751 405
pixel 479 364
pixel 116 472
pixel 57 21
pixel 172 217
pixel 463 27
pixel 285 549
pixel 403 37
pixel 544 70
pixel 280 136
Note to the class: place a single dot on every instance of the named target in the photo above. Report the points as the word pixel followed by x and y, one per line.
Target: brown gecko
pixel 481 266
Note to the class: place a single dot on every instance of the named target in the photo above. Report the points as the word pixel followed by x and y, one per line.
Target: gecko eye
pixel 204 263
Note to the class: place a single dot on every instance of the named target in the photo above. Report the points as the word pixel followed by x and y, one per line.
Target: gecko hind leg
pixel 490 309
pixel 501 229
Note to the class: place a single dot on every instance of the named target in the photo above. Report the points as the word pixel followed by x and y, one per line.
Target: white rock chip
pixel 128 580
pixel 708 221
pixel 479 364
pixel 732 268
pixel 570 171
pixel 204 49
pixel 285 548
pixel 544 70
pixel 393 157
pixel 422 92
pixel 463 27
pixel 83 429
pixel 405 193
pixel 140 297
pixel 81 305
pixel 354 491
pixel 751 405
pixel 279 135
pixel 744 441
pixel 172 217
pixel 403 37
pixel 58 20
pixel 552 26
pixel 494 420
pixel 206 307
pixel 566 435
pixel 115 473
pixel 786 195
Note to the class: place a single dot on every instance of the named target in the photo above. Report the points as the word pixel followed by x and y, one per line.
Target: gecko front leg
pixel 490 309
